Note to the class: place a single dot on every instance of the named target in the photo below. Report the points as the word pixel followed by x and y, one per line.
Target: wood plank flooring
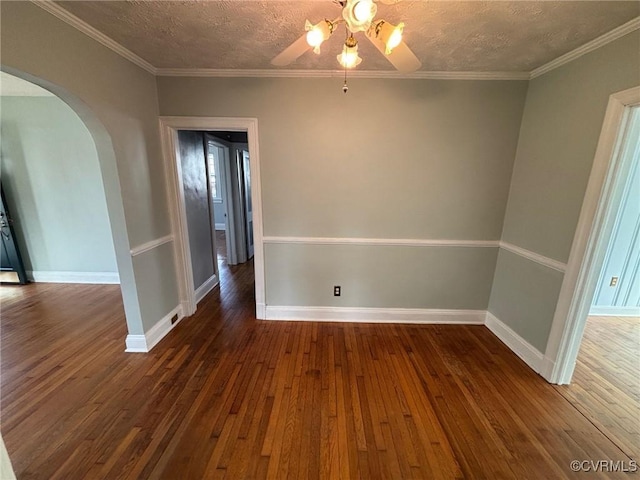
pixel 606 381
pixel 228 396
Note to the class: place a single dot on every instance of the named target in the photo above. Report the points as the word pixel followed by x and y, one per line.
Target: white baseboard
pixel 206 287
pixel 221 226
pixel 144 343
pixel 136 344
pixel 516 343
pixel 546 369
pixel 74 277
pixel 261 311
pixel 375 315
pixel 615 311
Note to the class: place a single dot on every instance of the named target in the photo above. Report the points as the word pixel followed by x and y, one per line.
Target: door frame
pixel 169 126
pixel 13 250
pixel 246 156
pixel 590 241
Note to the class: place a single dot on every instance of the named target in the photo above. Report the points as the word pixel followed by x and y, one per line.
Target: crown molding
pixel 594 44
pixel 290 73
pixel 78 24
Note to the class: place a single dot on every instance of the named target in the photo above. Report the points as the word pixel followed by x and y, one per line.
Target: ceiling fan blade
pixel 401 57
pixel 292 52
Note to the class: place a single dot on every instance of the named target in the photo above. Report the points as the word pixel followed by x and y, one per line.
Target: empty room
pixel 320 239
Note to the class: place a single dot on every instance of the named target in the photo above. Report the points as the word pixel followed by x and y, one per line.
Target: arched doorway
pixel 100 171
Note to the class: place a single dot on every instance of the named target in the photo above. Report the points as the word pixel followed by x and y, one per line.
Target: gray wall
pixel 52 180
pixel 622 259
pixel 117 100
pixel 380 276
pixel 196 199
pixel 220 214
pixel 560 128
pixel 391 159
pixel 220 206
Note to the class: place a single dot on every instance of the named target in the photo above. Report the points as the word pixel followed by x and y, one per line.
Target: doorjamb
pixel 169 127
pixel 590 241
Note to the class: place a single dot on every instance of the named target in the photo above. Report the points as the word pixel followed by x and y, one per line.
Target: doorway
pixel 605 386
pixel 229 159
pixel 609 174
pixel 235 182
pixel 54 220
pixel 11 265
pixel 216 183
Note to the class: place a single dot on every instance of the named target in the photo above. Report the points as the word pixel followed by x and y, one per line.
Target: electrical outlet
pixel 614 281
pixel 337 290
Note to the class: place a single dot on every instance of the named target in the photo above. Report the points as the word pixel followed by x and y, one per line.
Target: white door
pixel 248 205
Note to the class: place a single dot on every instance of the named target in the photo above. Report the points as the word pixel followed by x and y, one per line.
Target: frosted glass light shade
pixel 316 34
pixel 349 57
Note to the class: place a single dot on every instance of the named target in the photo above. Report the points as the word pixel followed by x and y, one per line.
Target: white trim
pixel 614 311
pixel 177 217
pixel 594 44
pixel 221 226
pixel 67 17
pixel 375 315
pixel 383 241
pixel 163 327
pixel 299 73
pixel 145 247
pixel 261 311
pixel 415 242
pixel 107 278
pixel 534 257
pixel 547 367
pixel 144 343
pixel 518 345
pixel 168 131
pixel 589 242
pixel 206 287
pixel 136 344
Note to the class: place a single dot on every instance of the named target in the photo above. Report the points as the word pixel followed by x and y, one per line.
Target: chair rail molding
pixel 145 247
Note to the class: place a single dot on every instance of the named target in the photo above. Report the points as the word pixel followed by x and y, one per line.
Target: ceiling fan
pixel 358 16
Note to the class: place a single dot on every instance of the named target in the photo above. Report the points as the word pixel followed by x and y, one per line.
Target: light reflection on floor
pixel 10 293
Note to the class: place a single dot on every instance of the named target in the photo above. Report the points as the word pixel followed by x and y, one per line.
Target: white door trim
pixel 168 131
pixel 590 241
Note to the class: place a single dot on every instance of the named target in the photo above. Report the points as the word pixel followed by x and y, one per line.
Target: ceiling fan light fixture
pixel 316 34
pixel 358 14
pixel 389 34
pixel 349 58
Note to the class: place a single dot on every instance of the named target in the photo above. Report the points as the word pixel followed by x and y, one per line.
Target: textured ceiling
pixel 445 35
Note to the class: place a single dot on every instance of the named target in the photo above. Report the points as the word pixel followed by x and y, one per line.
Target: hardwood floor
pixel 227 396
pixel 606 382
